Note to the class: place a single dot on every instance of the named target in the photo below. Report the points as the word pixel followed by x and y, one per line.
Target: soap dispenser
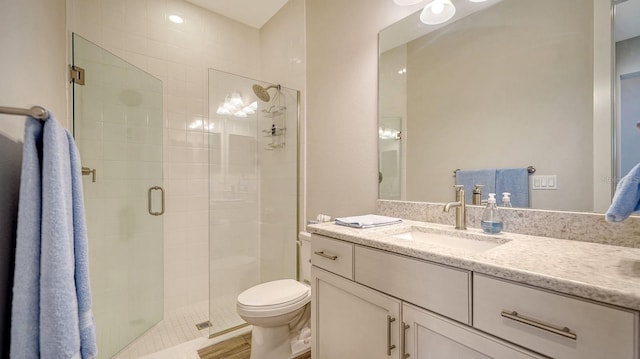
pixel 476 198
pixel 491 221
pixel 506 199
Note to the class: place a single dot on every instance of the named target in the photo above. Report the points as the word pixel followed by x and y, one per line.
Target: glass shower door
pixel 118 124
pixel 390 158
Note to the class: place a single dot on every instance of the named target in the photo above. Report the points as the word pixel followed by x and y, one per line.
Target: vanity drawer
pixel 537 319
pixel 333 255
pixel 441 289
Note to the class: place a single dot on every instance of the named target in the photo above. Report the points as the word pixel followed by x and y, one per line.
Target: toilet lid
pixel 273 293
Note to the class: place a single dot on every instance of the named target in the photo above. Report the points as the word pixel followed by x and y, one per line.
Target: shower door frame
pixel 153 313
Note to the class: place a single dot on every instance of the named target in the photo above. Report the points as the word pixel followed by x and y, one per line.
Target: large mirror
pixel 511 84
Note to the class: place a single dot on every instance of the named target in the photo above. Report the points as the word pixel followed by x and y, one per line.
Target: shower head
pixel 262 92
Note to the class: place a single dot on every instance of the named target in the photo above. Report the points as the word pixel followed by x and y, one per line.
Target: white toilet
pixel 278 310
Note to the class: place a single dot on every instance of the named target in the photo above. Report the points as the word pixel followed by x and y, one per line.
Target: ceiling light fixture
pixel 176 19
pixel 234 105
pixel 437 12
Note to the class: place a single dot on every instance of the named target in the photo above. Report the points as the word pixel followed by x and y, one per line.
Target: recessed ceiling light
pixel 175 18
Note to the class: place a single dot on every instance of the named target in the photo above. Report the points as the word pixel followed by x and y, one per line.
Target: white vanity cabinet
pixel 360 312
pixel 369 303
pixel 430 336
pixel 351 320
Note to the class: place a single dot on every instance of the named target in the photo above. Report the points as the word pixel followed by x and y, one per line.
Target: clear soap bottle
pixel 491 221
pixel 506 199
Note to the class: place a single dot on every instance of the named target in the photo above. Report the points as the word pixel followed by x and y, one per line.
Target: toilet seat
pixel 273 298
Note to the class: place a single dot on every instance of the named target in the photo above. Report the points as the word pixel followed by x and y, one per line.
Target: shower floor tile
pixel 223 314
pixel 179 326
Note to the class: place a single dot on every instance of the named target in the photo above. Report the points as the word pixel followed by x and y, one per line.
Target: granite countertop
pixel 604 273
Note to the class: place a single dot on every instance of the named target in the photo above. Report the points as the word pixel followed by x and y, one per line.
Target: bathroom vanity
pixel 423 290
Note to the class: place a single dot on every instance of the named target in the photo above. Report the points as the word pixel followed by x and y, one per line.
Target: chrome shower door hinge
pixel 76 75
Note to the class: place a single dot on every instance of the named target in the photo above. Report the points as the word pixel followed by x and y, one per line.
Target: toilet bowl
pixel 276 310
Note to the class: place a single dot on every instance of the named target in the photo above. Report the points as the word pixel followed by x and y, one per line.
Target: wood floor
pixel 234 348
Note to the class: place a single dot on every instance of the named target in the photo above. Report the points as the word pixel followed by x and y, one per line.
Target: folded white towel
pixel 367 221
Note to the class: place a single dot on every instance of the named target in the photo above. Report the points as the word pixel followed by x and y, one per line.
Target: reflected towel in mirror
pixel 516 182
pixel 627 197
pixel 470 178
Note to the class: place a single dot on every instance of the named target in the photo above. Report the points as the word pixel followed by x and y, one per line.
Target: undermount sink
pixel 469 244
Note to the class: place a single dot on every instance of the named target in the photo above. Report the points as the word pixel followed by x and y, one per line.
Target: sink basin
pixel 468 244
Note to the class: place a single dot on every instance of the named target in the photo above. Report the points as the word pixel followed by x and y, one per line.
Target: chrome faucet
pixel 461 208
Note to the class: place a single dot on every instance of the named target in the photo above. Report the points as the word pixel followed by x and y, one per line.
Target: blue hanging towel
pixel 51 308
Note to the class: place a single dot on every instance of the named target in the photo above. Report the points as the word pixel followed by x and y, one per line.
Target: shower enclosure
pixel 253 189
pixel 117 121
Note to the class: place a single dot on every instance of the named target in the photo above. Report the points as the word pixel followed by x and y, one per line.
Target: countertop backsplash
pixel 586 227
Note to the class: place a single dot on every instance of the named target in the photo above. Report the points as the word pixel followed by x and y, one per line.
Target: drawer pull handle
pixel 564 331
pixel 390 346
pixel 403 339
pixel 328 256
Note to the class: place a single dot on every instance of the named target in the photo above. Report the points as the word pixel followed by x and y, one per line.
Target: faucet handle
pixel 459 187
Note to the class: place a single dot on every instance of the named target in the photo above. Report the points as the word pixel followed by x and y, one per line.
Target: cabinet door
pixel 352 321
pixel 430 336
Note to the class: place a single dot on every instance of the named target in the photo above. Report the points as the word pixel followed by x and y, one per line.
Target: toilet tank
pixel 304 242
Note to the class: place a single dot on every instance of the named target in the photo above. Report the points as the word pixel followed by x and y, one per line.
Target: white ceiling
pixel 250 12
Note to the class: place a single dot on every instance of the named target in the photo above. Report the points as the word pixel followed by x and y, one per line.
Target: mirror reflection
pixel 502 85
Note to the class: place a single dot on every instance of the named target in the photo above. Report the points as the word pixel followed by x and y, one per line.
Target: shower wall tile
pixel 139 32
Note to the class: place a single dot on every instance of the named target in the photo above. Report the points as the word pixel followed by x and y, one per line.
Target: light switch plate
pixel 544 182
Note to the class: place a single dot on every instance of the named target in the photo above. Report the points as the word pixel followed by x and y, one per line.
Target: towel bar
pixel 530 169
pixel 37 112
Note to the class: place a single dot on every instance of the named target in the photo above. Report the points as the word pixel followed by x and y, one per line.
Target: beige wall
pixel 32 69
pixel 341 106
pixel 32 60
pixel 484 93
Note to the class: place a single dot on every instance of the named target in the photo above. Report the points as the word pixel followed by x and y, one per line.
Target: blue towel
pixel 470 178
pixel 516 182
pixel 51 310
pixel 627 197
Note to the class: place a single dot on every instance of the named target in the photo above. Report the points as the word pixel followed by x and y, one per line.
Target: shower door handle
pixel 86 171
pixel 156 188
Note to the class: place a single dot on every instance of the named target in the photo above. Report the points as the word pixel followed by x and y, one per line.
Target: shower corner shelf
pixel 274 111
pixel 274 146
pixel 276 132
